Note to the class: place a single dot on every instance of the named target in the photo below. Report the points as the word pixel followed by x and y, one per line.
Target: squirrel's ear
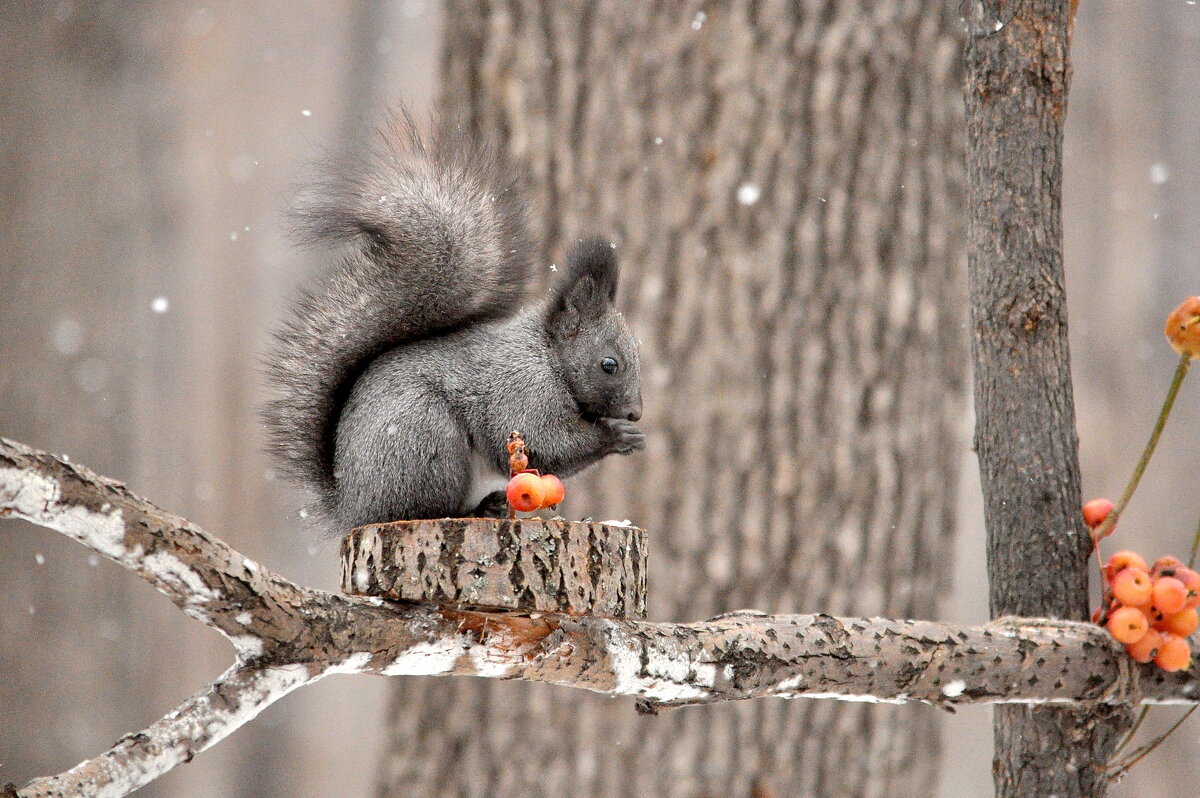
pixel 589 282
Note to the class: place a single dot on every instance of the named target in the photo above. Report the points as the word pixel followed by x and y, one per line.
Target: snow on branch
pixel 286 636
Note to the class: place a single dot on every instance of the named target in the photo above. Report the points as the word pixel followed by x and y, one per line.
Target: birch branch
pixel 199 723
pixel 285 636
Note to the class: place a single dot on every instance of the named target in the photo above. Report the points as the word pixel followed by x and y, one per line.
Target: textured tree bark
pixel 783 182
pixel 1018 72
pixel 529 565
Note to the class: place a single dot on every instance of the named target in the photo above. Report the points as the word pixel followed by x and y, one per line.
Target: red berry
pixel 525 492
pixel 518 462
pixel 1095 511
pixel 1133 588
pixel 1122 560
pixel 1128 625
pixel 1147 648
pixel 1181 623
pixel 1174 654
pixel 1183 328
pixel 554 490
pixel 1166 566
pixel 1191 580
pixel 1170 595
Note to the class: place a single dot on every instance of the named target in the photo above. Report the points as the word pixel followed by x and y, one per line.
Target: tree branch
pixel 199 723
pixel 286 636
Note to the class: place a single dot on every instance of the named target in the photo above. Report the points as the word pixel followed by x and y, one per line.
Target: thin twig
pixel 1137 724
pixel 1119 771
pixel 1195 547
pixel 1180 372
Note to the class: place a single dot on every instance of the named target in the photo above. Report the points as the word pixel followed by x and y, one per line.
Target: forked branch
pixel 286 636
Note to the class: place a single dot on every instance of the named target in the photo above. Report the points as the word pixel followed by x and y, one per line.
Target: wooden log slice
pixel 528 564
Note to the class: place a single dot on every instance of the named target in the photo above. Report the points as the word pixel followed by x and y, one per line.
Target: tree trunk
pixel 1016 97
pixel 782 181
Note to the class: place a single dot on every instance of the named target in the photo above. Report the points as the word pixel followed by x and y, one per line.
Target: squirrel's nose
pixel 635 411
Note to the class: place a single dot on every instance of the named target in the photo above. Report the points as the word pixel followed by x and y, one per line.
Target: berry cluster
pixel 1149 608
pixel 529 490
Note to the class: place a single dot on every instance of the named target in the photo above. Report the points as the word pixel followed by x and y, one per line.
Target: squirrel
pixel 402 372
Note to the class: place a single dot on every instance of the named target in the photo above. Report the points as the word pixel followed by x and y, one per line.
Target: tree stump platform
pixel 521 565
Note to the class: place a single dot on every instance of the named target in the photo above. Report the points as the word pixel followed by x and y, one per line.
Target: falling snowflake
pixel 748 193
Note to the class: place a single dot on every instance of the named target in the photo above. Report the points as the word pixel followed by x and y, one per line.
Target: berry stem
pixel 1101 571
pixel 1195 547
pixel 1180 372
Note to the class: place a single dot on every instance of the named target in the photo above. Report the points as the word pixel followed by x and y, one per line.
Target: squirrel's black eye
pixel 609 365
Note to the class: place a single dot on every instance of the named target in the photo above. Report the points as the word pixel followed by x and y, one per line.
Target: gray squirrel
pixel 403 371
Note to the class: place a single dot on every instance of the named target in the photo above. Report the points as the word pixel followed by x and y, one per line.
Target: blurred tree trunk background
pixel 783 182
pixel 148 155
pixel 139 141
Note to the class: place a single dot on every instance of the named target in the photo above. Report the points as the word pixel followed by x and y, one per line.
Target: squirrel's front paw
pixel 622 436
pixel 494 505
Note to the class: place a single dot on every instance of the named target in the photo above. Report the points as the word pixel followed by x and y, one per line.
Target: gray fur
pixel 402 373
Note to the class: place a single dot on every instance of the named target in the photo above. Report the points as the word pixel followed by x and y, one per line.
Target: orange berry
pixel 1095 511
pixel 518 462
pixel 1191 580
pixel 1181 623
pixel 1133 588
pixel 1174 654
pixel 1166 566
pixel 1147 648
pixel 1128 625
pixel 525 492
pixel 554 490
pixel 1170 595
pixel 1183 328
pixel 1122 560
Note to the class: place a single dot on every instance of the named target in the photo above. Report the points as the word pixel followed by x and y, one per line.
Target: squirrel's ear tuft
pixel 594 258
pixel 588 285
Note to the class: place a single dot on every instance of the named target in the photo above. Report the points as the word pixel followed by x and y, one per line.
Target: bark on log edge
pixel 526 565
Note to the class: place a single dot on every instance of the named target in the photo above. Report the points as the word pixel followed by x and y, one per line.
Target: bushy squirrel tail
pixel 431 236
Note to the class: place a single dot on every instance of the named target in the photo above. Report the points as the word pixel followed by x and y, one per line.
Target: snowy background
pixel 147 162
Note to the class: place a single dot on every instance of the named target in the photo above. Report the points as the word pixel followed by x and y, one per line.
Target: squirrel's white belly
pixel 483 479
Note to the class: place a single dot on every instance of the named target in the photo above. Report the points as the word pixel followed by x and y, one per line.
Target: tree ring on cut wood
pixel 523 565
